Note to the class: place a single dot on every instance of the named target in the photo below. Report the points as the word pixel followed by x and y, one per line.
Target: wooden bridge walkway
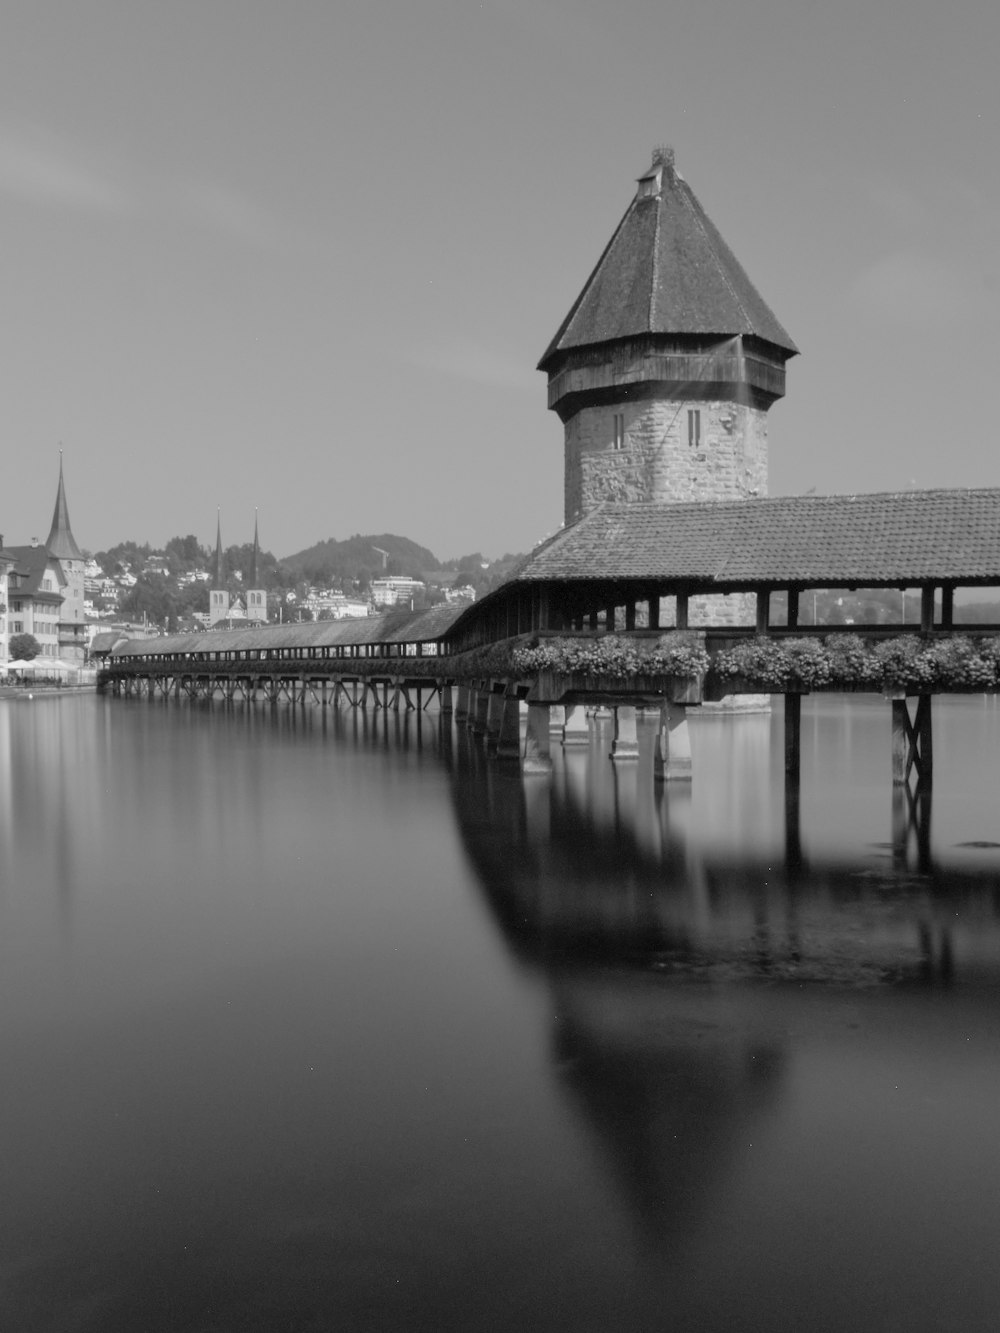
pixel 625 574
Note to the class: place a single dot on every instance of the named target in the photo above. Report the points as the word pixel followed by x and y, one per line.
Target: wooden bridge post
pixel 793 772
pixel 576 730
pixel 447 705
pixel 625 746
pixel 911 741
pixel 462 703
pixel 672 748
pixel 537 754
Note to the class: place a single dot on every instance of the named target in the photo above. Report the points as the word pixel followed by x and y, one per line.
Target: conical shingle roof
pixel 666 270
pixel 61 542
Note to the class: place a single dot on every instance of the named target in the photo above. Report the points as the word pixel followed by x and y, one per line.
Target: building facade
pixel 45 587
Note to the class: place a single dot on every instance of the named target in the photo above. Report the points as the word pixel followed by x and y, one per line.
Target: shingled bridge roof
pixel 869 540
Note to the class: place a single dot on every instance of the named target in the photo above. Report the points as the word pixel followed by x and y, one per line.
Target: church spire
pixel 61 542
pixel 254 553
pixel 218 572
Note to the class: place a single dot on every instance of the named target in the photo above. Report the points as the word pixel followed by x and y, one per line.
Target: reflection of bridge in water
pixel 674 963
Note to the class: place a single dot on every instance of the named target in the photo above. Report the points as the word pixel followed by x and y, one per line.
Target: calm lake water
pixel 324 1021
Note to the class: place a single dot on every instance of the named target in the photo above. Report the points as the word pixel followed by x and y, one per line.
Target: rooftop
pixel 894 538
pixel 666 270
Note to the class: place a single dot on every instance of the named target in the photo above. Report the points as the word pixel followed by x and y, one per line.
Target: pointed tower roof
pixel 666 270
pixel 254 553
pixel 218 572
pixel 61 542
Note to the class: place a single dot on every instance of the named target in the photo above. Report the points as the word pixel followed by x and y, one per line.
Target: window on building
pixel 694 427
pixel 619 430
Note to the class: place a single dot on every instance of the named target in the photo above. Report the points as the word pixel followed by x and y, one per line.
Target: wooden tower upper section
pixel 665 367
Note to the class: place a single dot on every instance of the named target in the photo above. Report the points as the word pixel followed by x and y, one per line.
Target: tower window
pixel 619 430
pixel 694 427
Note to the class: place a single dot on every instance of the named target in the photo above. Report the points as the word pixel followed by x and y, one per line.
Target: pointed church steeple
pixel 256 596
pixel 254 553
pixel 218 596
pixel 61 542
pixel 218 573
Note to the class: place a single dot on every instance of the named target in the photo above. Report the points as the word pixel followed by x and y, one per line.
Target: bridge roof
pixel 390 627
pixel 806 540
pixel 666 270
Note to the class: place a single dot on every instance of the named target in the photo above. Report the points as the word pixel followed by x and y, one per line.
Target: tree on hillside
pixel 23 647
pixel 187 552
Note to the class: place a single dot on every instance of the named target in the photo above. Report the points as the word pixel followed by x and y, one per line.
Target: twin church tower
pixel 667 363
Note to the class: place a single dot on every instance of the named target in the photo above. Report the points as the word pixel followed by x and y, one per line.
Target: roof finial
pixel 663 155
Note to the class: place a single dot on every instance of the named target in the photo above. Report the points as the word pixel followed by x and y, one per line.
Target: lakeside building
pixel 45 588
pixel 6 563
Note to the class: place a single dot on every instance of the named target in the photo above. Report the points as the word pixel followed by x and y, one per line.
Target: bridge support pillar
pixel 447 705
pixel 557 720
pixel 494 718
pixel 509 739
pixel 625 746
pixel 576 729
pixel 462 703
pixel 672 747
pixel 911 741
pixel 537 754
pixel 480 705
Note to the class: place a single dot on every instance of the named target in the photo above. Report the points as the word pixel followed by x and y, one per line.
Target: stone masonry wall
pixel 657 463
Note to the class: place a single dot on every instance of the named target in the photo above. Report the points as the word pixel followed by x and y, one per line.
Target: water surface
pixel 317 1020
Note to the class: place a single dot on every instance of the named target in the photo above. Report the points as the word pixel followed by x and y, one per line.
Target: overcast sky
pixel 304 255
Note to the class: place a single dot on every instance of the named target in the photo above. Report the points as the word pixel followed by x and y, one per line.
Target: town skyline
pixel 309 266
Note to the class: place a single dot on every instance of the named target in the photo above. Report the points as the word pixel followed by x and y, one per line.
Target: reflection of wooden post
pixel 900 740
pixel 494 713
pixel 793 740
pixel 672 748
pixel 625 745
pixel 446 703
pixel 557 720
pixel 576 730
pixel 537 755
pixel 462 703
pixel 509 738
pixel 900 826
pixel 923 729
pixel 481 705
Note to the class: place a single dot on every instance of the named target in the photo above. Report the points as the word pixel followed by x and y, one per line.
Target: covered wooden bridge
pixel 587 619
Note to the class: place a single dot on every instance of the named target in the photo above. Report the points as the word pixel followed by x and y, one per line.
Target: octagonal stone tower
pixel 665 367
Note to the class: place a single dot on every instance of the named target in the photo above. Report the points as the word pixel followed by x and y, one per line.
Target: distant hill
pixel 362 556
